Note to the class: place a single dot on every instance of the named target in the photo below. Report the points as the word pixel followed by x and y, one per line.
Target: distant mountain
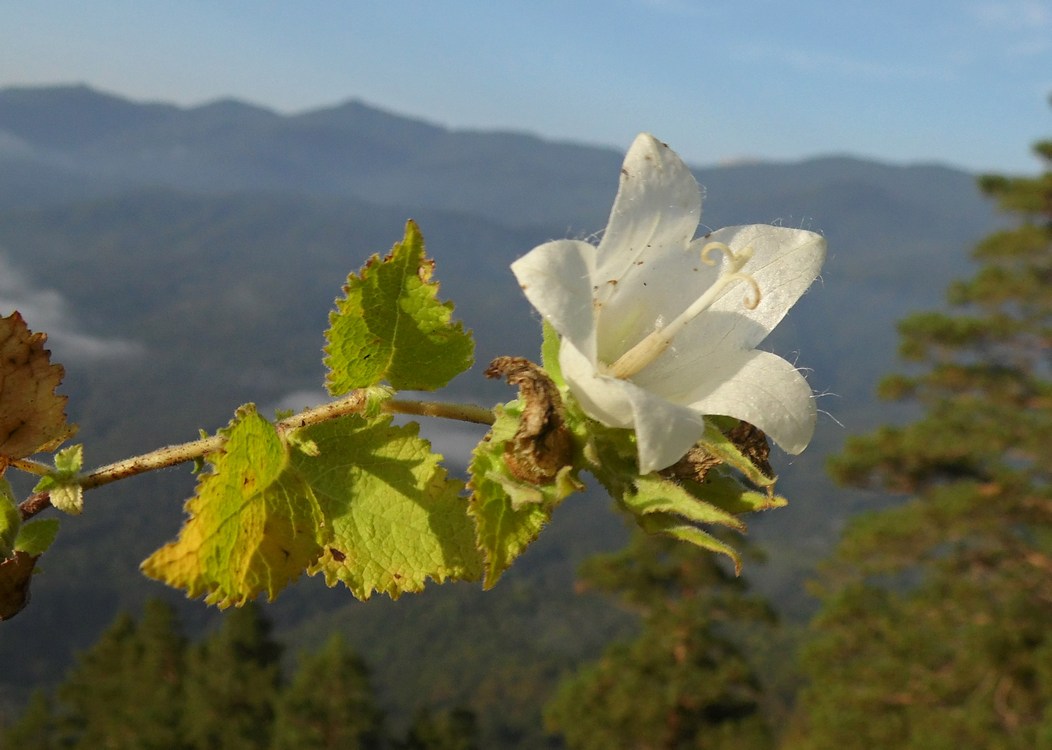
pixel 351 150
pixel 213 240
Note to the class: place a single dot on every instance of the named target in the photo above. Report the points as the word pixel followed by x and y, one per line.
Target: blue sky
pixel 963 82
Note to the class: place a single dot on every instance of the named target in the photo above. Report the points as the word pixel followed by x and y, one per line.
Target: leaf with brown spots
pixel 32 415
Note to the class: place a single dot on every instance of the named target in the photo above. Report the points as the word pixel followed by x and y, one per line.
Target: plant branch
pixel 173 455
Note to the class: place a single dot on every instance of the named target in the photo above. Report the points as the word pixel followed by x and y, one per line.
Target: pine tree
pixel 156 681
pixel 453 730
pixel 124 692
pixel 683 682
pixel 232 684
pixel 329 704
pixel 35 729
pixel 936 624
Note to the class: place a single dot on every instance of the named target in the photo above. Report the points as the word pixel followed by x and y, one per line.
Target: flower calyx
pixel 698 462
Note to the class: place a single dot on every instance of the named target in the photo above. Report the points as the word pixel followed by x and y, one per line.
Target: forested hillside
pixel 184 262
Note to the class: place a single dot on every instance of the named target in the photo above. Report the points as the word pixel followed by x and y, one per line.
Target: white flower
pixel 657 332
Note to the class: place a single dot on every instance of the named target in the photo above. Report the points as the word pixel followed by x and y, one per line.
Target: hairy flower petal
pixel 556 278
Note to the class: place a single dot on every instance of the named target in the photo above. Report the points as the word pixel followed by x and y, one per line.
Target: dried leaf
pixel 32 415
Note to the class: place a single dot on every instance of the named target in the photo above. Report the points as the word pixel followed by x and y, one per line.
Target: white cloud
pixel 46 311
pixel 812 61
pixel 1015 15
pixel 454 440
pixel 1024 25
pixel 296 401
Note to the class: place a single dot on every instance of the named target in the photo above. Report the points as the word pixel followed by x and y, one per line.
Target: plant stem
pixel 460 412
pixel 172 455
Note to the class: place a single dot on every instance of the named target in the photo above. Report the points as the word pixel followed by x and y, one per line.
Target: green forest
pixel 930 629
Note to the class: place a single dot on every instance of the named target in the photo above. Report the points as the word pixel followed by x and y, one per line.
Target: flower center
pixel 657 341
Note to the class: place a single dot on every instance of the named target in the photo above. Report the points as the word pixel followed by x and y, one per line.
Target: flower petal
pixel 760 388
pixel 603 398
pixel 784 264
pixel 664 431
pixel 556 278
pixel 657 209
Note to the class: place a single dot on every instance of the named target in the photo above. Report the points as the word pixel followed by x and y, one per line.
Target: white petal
pixel 603 398
pixel 664 430
pixel 762 389
pixel 556 278
pixel 657 208
pixel 784 264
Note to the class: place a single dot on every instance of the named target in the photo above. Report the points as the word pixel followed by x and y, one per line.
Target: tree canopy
pixel 934 626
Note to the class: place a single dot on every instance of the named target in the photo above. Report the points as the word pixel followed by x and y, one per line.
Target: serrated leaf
pixel 397 519
pixel 36 536
pixel 65 494
pixel 68 498
pixel 367 504
pixel 254 526
pixel 32 415
pixel 391 327
pixel 509 513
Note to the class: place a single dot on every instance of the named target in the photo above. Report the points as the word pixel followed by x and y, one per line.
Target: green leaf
pixel 397 519
pixel 653 494
pixel 36 536
pixel 661 506
pixel 669 525
pixel 66 495
pixel 10 519
pixel 390 326
pixel 509 513
pixel 728 494
pixel 354 498
pixel 254 526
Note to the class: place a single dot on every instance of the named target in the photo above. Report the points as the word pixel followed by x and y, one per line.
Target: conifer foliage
pixel 683 681
pixel 143 686
pixel 934 629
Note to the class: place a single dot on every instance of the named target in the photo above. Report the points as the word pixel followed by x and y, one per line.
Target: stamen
pixel 657 341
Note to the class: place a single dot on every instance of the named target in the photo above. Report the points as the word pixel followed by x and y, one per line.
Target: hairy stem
pixel 172 455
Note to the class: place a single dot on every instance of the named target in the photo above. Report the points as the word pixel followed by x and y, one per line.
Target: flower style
pixel 658 332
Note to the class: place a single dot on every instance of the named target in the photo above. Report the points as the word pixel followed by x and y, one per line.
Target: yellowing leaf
pixel 390 326
pixel 254 526
pixel 396 518
pixel 32 415
pixel 354 498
